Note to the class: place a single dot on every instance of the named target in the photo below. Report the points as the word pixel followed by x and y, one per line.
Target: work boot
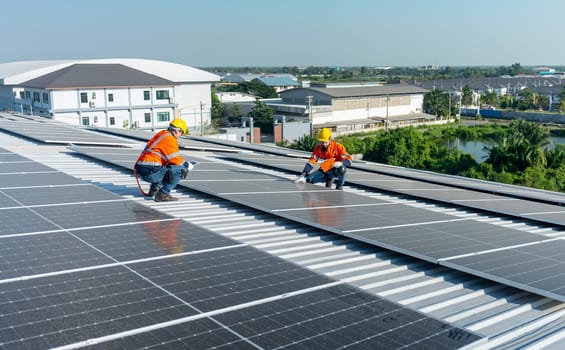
pixel 161 196
pixel 339 187
pixel 329 183
pixel 153 189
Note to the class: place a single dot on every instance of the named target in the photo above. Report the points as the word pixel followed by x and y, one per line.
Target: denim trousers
pixel 158 176
pixel 320 176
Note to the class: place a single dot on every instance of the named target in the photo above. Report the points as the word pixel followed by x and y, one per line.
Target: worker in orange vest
pixel 161 164
pixel 333 160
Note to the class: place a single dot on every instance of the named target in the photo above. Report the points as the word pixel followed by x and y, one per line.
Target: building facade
pixel 120 93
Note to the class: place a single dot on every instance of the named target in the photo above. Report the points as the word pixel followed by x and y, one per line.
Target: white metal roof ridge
pixel 82 169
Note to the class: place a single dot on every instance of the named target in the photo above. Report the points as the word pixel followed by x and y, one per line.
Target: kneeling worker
pixel 334 161
pixel 161 164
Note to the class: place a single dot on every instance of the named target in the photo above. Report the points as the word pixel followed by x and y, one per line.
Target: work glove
pixel 186 168
pixel 184 172
pixel 300 179
pixel 338 164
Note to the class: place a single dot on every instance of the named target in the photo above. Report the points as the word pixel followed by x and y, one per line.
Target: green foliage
pixel 353 145
pixel 262 116
pixel 436 102
pixel 467 96
pixel 561 95
pixel 217 107
pixel 305 143
pixel 254 87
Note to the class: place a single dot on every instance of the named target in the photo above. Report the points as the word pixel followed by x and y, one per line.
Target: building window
pixel 22 95
pixel 35 96
pixel 112 120
pixel 94 95
pixel 85 121
pixel 110 97
pixel 162 94
pixel 146 95
pixel 45 97
pixel 28 95
pixel 163 116
pixel 83 97
pixel 148 117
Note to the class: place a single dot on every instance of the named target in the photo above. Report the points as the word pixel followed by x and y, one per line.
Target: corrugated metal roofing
pixel 278 81
pixel 389 89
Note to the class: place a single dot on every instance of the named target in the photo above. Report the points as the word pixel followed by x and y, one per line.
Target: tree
pixel 262 116
pixel 436 102
pixel 521 147
pixel 467 96
pixel 489 98
pixel 217 107
pixel 235 111
pixel 561 107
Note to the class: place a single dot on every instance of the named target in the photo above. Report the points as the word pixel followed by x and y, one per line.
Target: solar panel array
pixel 497 202
pixel 189 142
pixel 58 133
pixel 432 236
pixel 82 267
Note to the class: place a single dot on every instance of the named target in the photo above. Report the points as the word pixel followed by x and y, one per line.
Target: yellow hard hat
pixel 180 124
pixel 324 135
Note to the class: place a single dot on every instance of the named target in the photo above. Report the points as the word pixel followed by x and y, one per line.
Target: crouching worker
pixel 333 159
pixel 161 164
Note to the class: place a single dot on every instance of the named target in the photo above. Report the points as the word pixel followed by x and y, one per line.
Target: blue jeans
pixel 156 176
pixel 320 176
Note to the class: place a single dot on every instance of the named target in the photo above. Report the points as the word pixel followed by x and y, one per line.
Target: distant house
pixel 121 93
pixel 549 86
pixel 279 82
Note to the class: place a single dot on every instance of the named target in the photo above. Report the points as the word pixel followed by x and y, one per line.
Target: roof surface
pixel 392 89
pixel 15 73
pixel 95 75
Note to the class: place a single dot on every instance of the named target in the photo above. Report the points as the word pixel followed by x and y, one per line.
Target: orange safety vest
pixel 161 150
pixel 335 151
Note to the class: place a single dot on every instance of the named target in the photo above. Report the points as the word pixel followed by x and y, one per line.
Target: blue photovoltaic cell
pixel 59 195
pixel 23 220
pixel 43 253
pixel 98 214
pixel 152 238
pixel 330 318
pixel 538 268
pixel 223 278
pixel 52 178
pixel 54 311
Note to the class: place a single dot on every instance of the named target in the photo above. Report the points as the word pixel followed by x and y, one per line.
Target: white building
pixel 122 93
pixel 355 107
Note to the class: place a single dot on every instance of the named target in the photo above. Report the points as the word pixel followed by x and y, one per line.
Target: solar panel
pixel 184 142
pixel 421 233
pixel 541 266
pixel 105 272
pixel 51 132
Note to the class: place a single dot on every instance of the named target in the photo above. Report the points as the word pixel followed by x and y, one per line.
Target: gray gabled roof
pixel 392 89
pixel 95 75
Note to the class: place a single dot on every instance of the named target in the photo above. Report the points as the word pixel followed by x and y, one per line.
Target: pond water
pixel 477 148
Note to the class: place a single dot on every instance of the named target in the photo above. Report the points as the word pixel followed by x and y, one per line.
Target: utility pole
pixel 387 103
pixel 201 120
pixel 310 119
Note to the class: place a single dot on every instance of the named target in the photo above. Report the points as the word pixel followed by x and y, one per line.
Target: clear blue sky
pixel 208 33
